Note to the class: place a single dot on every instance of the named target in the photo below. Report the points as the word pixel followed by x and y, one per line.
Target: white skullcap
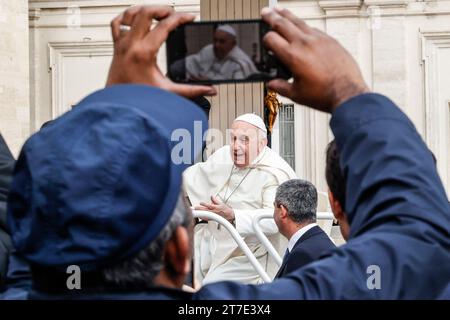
pixel 253 119
pixel 228 29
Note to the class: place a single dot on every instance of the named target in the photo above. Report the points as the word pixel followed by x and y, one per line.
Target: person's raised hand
pixel 135 50
pixel 324 74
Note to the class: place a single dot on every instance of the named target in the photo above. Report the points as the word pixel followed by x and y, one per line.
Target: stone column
pixel 389 53
pixel 14 73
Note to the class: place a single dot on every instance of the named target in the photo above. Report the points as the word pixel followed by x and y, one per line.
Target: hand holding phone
pixel 222 52
pixel 325 74
pixel 136 45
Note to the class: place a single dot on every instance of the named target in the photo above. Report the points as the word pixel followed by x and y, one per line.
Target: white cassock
pixel 204 64
pixel 217 256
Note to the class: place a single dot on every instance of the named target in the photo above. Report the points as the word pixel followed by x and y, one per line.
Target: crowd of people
pixel 96 208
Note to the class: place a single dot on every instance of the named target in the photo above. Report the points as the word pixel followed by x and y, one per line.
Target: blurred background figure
pixel 223 59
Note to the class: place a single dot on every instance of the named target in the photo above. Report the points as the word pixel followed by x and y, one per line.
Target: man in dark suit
pixel 295 216
pixel 151 265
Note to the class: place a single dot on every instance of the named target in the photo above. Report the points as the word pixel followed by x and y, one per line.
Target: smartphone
pixel 229 51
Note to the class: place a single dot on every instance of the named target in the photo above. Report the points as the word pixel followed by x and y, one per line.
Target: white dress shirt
pixel 293 240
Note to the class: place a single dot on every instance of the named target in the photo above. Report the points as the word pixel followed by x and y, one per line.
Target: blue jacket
pixel 399 215
pixel 310 247
pixel 446 294
pixel 18 278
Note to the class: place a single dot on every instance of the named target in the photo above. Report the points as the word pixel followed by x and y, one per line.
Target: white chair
pixel 236 236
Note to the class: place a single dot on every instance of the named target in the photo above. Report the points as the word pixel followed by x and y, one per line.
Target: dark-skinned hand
pixel 324 74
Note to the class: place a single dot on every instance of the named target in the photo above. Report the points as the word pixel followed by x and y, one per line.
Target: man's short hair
pixel 333 173
pixel 299 197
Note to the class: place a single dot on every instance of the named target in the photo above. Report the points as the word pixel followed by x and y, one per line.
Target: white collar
pixel 293 240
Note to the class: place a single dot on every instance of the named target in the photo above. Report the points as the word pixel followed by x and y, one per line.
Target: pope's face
pixel 223 43
pixel 246 143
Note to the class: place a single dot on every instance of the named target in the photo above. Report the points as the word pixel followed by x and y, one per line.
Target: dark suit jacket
pixel 307 249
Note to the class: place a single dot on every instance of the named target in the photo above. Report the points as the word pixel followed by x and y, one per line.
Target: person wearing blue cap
pixel 94 190
pixel 97 206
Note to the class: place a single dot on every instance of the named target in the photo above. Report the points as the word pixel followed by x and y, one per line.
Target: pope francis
pixel 221 60
pixel 238 182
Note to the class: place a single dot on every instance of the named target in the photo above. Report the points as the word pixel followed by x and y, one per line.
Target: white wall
pixel 14 85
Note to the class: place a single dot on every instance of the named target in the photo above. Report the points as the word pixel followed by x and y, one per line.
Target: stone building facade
pixel 52 53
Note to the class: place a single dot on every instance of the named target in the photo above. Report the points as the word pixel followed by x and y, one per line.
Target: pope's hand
pixel 135 51
pixel 217 207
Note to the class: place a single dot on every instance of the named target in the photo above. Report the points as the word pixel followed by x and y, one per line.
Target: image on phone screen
pixel 221 52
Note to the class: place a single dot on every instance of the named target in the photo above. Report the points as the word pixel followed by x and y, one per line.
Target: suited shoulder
pixel 312 246
pixel 314 240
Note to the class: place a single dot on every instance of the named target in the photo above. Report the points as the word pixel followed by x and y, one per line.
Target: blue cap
pixel 98 184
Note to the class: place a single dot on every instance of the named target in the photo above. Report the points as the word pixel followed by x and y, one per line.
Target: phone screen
pixel 222 52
